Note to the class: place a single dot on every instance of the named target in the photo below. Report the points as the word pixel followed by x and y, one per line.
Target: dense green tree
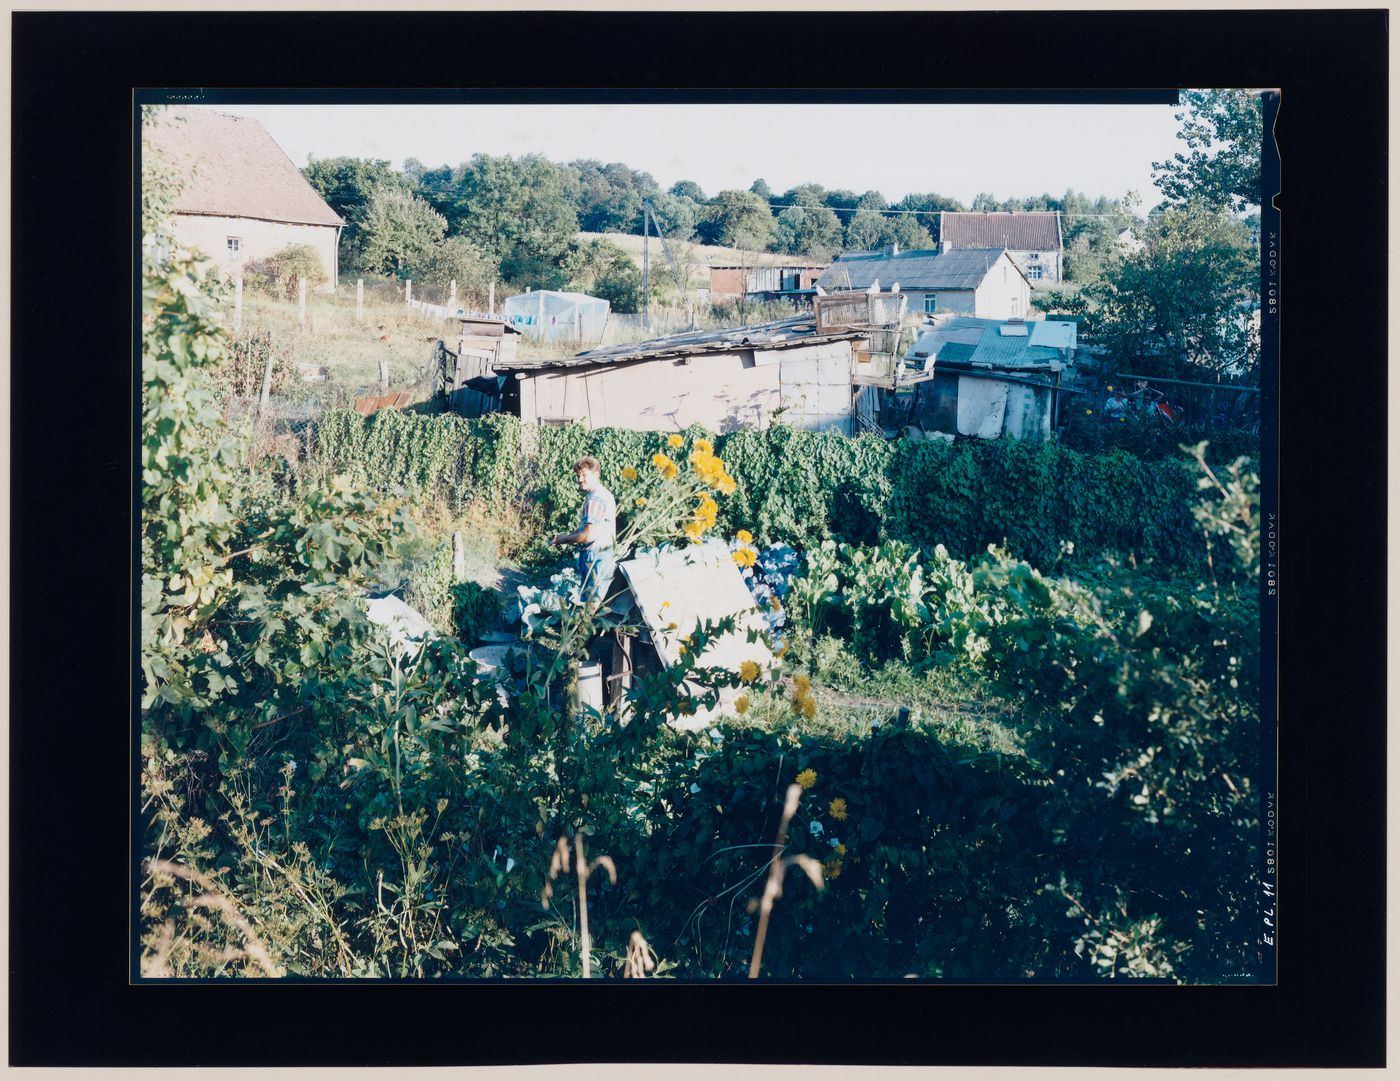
pixel 1184 304
pixel 396 230
pixel 457 259
pixel 806 196
pixel 690 190
pixel 347 185
pixel 609 197
pixel 843 201
pixel 1223 133
pixel 760 188
pixel 600 268
pixel 516 210
pixel 866 231
pixel 815 233
pixel 929 204
pixel 677 215
pixel 738 219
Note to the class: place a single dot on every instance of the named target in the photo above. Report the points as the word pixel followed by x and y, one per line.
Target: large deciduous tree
pixel 1183 305
pixel 348 185
pixel 516 210
pixel 600 268
pixel 396 230
pixel 1223 133
pixel 738 219
pixel 800 231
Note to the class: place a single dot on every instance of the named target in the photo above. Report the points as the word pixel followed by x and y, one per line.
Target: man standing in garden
pixel 596 532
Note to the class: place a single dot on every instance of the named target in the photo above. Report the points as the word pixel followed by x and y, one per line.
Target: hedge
pixel 801 487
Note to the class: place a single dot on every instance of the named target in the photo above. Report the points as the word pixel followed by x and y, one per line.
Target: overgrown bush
pixel 277 274
pixel 801 487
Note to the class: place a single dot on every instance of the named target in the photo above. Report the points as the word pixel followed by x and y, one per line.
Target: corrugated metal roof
pixel 1031 230
pixel 231 167
pixel 785 333
pixel 968 340
pixel 911 269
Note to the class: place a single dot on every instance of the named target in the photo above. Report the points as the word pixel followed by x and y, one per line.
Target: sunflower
pixel 807 778
pixel 741 704
pixel 837 809
pixel 744 536
pixel 749 671
pixel 628 473
pixel 674 440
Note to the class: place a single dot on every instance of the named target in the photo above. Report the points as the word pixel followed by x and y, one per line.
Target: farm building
pixel 985 284
pixel 241 198
pixel 763 282
pixel 1033 238
pixel 720 379
pixel 990 377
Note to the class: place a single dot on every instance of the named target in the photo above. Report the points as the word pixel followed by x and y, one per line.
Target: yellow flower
pixel 673 626
pixel 741 704
pixel 665 604
pixel 744 536
pixel 1088 412
pixel 1110 387
pixel 802 684
pixel 837 809
pixel 775 605
pixel 665 466
pixel 748 671
pixel 704 446
pixel 832 868
pixel 674 440
pixel 640 501
pixel 807 778
pixel 628 473
pixel 745 557
pixel 809 707
pixel 841 850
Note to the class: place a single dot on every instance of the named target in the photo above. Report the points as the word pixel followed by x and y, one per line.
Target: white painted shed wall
pixel 719 391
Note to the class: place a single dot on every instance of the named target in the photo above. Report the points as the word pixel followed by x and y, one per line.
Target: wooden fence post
pixel 491 298
pixel 383 376
pixel 301 302
pixel 266 384
pixel 238 302
pixel 408 293
pixel 359 300
pixel 452 297
pixel 459 558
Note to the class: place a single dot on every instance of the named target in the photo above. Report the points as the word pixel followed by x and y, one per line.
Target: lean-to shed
pixel 723 380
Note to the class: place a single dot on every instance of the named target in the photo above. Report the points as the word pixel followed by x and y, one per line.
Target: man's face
pixel 586 479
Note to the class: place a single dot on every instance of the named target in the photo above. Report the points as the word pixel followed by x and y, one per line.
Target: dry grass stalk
pixel 777 868
pixel 640 958
pixel 559 864
pixel 213 898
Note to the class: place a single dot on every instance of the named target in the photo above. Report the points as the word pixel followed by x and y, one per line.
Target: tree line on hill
pixel 1175 290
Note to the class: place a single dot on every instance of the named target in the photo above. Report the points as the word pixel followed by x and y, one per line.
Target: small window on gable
pixel 1034 256
pixel 235 245
pixel 930 303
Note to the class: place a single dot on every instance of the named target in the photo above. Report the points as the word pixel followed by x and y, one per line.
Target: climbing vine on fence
pixel 801 488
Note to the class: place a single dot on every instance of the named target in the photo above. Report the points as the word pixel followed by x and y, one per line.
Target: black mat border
pixel 71 434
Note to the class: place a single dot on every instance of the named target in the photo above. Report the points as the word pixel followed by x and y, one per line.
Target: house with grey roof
pixel 1034 238
pixel 241 198
pixel 983 283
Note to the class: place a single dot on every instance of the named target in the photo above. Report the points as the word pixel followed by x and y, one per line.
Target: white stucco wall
pixel 258 239
pixel 1051 263
pixel 961 301
pixel 1003 294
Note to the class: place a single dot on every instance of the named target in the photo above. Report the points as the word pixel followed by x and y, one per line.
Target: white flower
pixel 510 865
pixel 694 788
pixel 816 828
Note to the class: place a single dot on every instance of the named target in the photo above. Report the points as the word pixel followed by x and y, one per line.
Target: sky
pixel 955 150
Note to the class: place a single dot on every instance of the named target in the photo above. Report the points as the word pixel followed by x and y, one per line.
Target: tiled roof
pixel 1031 230
pixel 911 269
pixel 230 166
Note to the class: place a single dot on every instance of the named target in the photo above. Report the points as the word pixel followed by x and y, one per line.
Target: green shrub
pixel 278 273
pixel 801 488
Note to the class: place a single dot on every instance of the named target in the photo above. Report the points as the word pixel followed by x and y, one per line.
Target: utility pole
pixel 681 294
pixel 646 266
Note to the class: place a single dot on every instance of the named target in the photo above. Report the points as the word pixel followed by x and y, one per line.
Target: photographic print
pixel 707 541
